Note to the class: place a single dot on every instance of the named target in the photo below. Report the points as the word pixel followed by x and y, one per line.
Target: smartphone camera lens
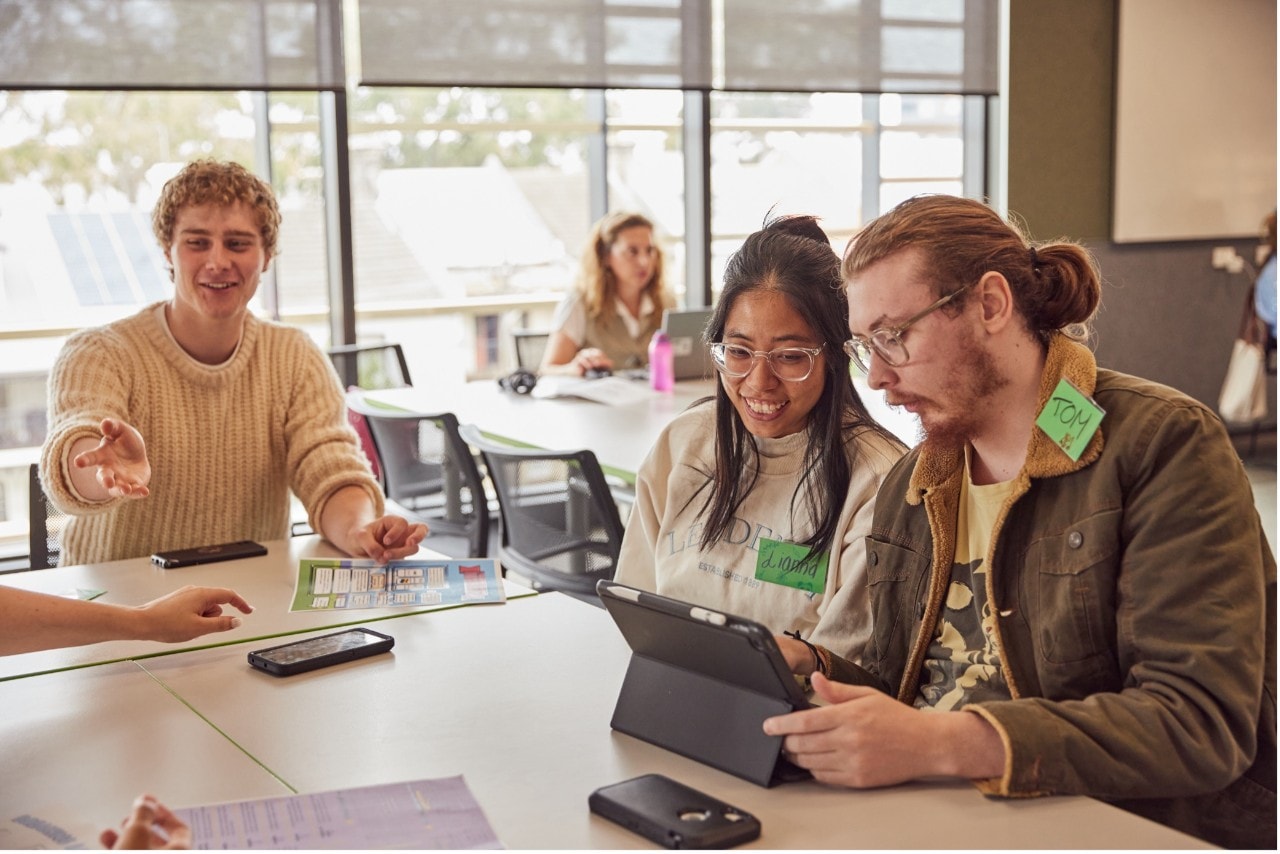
pixel 694 815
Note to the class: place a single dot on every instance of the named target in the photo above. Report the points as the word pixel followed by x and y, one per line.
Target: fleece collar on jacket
pixel 935 481
pixel 1066 358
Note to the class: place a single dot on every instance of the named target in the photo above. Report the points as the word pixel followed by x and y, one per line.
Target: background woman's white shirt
pixel 571 316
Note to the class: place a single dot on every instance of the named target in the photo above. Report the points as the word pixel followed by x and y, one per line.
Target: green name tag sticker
pixel 779 563
pixel 1070 419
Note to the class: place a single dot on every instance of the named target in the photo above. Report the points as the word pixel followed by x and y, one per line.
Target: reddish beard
pixel 972 380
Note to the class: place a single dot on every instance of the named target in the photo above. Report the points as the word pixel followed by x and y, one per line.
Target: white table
pixel 90 741
pixel 620 436
pixel 518 699
pixel 265 582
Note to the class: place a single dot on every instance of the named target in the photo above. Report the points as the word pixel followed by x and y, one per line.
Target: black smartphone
pixel 313 653
pixel 673 814
pixel 175 558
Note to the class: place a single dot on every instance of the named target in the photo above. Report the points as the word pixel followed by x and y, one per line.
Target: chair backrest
pixel 560 526
pixel 46 523
pixel 371 365
pixel 530 345
pixel 428 470
pixel 361 426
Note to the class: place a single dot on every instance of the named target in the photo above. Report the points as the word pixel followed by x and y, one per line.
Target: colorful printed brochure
pixel 329 584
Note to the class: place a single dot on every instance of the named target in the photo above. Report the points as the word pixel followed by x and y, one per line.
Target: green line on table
pixel 219 730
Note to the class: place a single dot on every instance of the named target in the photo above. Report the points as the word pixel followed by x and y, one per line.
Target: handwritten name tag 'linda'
pixel 780 563
pixel 1070 419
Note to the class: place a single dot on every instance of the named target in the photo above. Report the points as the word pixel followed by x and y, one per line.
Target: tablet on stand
pixel 701 683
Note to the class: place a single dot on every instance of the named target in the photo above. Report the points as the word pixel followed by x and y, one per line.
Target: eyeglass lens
pixel 787 363
pixel 886 345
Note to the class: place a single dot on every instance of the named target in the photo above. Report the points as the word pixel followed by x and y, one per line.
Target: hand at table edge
pixel 864 738
pixel 150 825
pixel 189 612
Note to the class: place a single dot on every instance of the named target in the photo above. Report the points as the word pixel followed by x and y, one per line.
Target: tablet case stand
pixel 701 718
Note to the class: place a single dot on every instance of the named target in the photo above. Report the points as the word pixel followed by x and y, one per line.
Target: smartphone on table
pixel 670 813
pixel 314 653
pixel 175 558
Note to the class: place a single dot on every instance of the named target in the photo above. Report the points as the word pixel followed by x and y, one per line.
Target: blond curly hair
pixel 222 183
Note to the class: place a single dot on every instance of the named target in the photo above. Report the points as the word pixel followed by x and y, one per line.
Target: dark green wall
pixel 1061 59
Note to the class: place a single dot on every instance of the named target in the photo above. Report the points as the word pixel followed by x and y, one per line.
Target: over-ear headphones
pixel 521 381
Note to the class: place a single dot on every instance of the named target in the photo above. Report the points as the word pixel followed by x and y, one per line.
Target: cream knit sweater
pixel 661 550
pixel 226 442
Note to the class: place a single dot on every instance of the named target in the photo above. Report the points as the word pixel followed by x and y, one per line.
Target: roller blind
pixel 170 44
pixel 797 45
pixel 553 43
pixel 933 46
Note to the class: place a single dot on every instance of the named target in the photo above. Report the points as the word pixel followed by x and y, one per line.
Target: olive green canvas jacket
pixel 1135 594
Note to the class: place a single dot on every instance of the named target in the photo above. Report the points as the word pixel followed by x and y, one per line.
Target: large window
pixel 79 174
pixel 472 188
pixel 471 208
pixel 468 209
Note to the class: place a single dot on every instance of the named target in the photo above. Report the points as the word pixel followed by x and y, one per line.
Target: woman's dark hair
pixel 791 256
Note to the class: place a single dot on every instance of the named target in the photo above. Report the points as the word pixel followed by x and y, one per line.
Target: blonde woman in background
pixel 606 321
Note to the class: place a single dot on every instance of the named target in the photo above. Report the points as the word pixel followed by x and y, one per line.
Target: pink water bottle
pixel 662 371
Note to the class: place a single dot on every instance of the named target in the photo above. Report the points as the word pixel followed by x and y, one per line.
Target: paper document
pixel 613 391
pixel 331 584
pixel 423 814
pixel 48 827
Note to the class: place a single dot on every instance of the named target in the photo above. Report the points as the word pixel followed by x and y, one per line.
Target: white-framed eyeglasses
pixel 792 364
pixel 887 341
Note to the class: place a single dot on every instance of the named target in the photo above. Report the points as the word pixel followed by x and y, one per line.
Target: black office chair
pixel 560 528
pixel 530 345
pixel 46 523
pixel 425 467
pixel 371 365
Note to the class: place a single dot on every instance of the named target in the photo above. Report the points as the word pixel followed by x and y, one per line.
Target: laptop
pixel 684 328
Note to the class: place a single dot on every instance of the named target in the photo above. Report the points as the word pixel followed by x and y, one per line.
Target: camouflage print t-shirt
pixel 963 663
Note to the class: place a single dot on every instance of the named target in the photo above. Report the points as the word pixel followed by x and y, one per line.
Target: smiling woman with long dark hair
pixel 755 501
